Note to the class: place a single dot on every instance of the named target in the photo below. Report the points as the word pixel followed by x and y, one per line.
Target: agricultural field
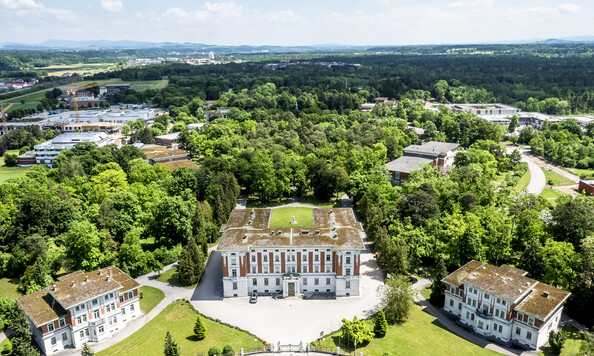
pixel 282 217
pixel 81 68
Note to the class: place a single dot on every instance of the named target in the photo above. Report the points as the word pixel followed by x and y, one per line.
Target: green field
pixel 523 183
pixel 80 68
pixel 551 195
pixel 170 277
pixel 150 298
pixel 556 178
pixel 573 342
pixel 153 84
pixel 583 173
pixel 8 288
pixel 420 335
pixel 5 343
pixel 281 218
pixel 179 319
pixel 11 172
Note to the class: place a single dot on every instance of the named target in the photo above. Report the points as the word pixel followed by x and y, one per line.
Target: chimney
pixel 86 278
pixel 99 271
pixel 109 271
pixel 545 294
pixel 72 284
pixel 54 287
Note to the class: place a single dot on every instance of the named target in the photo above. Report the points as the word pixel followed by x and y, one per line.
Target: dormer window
pixel 50 326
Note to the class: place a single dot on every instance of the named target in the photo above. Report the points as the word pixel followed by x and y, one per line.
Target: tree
pixel 572 220
pixel 197 259
pixel 214 351
pixel 437 287
pixel 185 268
pixel 422 204
pixel 587 348
pixel 171 347
pixel 35 277
pixel 560 262
pixel 355 332
pixel 381 324
pixel 199 328
pixel 582 297
pixel 228 350
pixel 22 339
pixel 87 350
pixel 396 299
pixel 10 159
pixel 85 246
pixel 172 221
pixel 513 124
pixel 556 341
pixel 125 130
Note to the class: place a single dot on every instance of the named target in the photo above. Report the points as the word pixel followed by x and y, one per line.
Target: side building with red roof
pixel 502 304
pixel 81 307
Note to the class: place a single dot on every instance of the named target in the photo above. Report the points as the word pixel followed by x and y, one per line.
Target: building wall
pixel 589 188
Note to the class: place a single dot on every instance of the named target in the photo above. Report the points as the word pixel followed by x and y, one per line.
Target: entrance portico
pixel 291 285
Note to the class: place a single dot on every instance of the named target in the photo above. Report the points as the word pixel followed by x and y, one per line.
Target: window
pixel 253 258
pixel 528 335
pixel 531 321
pixel 276 258
pixel 115 321
pixel 78 320
pixel 347 285
pixel 518 331
pixel 233 273
pixel 265 281
pixel 327 281
pixel 467 315
pixel 64 336
pixel 328 258
pixel 101 329
pixel 253 269
pixel 77 308
pixel 278 281
pixel 110 295
pixel 348 272
pixel 459 306
pixel 472 316
pixel 132 308
pixel 130 295
pixel 265 269
pixel 304 281
pixel 500 329
pixel 53 340
pixel 348 260
pixel 316 281
pixel 82 334
pixel 84 318
pixel 123 310
pixel 95 301
pixel 264 258
pixel 50 326
pixel 503 302
pixel 495 326
pixel 304 256
pixel 234 285
pixel 451 302
pixel 276 269
pixel 486 296
pixel 254 282
pixel 316 258
pixel 96 314
pixel 233 261
pixel 62 323
pixel 480 324
pixel 520 316
pixel 121 298
pixel 108 308
pixel 303 269
pixel 317 269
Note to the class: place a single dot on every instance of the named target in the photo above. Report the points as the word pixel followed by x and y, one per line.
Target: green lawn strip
pixel 420 335
pixel 179 319
pixel 255 203
pixel 170 276
pixel 556 178
pixel 523 183
pixel 426 292
pixel 573 342
pixel 6 343
pixel 8 288
pixel 150 298
pixel 281 218
pixel 583 173
pixel 550 193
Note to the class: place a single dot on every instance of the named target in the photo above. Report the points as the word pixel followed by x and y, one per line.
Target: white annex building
pixel 82 307
pixel 501 303
pixel 291 261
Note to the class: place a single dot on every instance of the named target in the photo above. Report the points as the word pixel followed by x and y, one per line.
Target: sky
pixel 295 22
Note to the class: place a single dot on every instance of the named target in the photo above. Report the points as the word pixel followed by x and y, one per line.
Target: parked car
pixel 254 298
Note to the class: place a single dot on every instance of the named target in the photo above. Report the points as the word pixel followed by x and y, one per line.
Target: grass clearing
pixel 8 288
pixel 143 84
pixel 282 217
pixel 551 195
pixel 573 342
pixel 150 298
pixel 556 179
pixel 6 343
pixel 583 173
pixel 11 172
pixel 179 319
pixel 420 335
pixel 170 277
pixel 523 183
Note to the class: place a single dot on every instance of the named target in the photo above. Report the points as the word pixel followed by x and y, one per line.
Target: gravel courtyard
pixel 286 321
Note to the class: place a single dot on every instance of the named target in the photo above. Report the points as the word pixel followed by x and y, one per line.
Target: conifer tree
pixel 437 287
pixel 87 350
pixel 197 259
pixel 185 267
pixel 199 328
pixel 171 347
pixel 22 340
pixel 381 324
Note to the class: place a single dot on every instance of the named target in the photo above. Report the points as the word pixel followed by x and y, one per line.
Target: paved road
pixel 538 179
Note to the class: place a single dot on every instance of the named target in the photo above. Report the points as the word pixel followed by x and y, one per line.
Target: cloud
pixel 570 8
pixel 472 3
pixel 112 5
pixel 20 4
pixel 210 12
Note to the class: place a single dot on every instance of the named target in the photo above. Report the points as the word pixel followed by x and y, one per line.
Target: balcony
pixel 97 322
pixel 483 314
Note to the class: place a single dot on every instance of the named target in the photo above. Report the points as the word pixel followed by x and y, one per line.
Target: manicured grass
pixel 281 218
pixel 11 172
pixel 5 343
pixel 551 194
pixel 253 202
pixel 178 318
pixel 556 178
pixel 523 183
pixel 583 173
pixel 420 335
pixel 573 342
pixel 170 276
pixel 8 288
pixel 426 292
pixel 150 298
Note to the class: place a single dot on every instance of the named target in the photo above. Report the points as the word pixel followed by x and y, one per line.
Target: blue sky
pixel 302 22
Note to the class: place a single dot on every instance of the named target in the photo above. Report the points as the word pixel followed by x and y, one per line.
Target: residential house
pixel 587 186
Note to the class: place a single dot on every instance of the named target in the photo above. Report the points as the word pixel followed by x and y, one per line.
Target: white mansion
pixel 291 261
pixel 82 307
pixel 503 304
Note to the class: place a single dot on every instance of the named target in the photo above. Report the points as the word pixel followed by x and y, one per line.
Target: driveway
pixel 284 320
pixel 538 179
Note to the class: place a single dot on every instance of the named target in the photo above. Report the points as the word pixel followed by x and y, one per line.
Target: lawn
pixel 572 344
pixel 150 298
pixel 10 172
pixel 152 84
pixel 8 288
pixel 583 173
pixel 523 183
pixel 556 178
pixel 253 202
pixel 551 194
pixel 179 319
pixel 281 218
pixel 170 276
pixel 421 334
pixel 5 343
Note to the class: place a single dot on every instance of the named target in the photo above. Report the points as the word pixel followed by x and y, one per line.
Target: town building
pixel 501 303
pixel 171 158
pixel 168 140
pixel 81 307
pixel 401 167
pixel 439 155
pixel 45 153
pixel 291 262
pixel 587 186
pixel 485 109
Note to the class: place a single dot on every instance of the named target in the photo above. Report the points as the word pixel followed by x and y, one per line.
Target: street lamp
pixel 355 346
pixel 255 344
